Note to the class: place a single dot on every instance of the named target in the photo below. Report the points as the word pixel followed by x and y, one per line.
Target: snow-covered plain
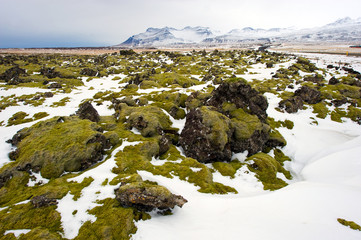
pixel 326 185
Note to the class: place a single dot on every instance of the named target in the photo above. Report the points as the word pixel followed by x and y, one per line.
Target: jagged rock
pixel 309 95
pixel 147 197
pixel 164 144
pixel 55 85
pixel 50 72
pixel 87 111
pixel 12 73
pixel 206 135
pixel 48 94
pixel 333 81
pixel 292 104
pixel 350 70
pixel 242 95
pixel 339 102
pixel 315 79
pixel 43 201
pixel 89 72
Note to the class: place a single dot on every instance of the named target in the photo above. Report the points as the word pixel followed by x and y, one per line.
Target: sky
pixel 81 23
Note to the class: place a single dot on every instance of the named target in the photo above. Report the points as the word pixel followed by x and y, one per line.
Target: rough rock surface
pixel 206 135
pixel 88 72
pixel 43 201
pixel 292 104
pixel 50 72
pixel 146 197
pixel 333 81
pixel 242 95
pixel 309 95
pixel 87 111
pixel 12 73
pixel 55 85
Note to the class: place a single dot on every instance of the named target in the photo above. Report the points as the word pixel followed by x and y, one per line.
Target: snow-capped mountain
pixel 169 36
pixel 342 30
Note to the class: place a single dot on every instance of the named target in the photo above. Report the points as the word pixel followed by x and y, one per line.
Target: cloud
pixel 109 22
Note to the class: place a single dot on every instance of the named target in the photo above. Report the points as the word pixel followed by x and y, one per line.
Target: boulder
pixel 54 147
pixel 206 135
pixel 89 72
pixel 43 201
pixel 147 197
pixel 12 73
pixel 50 72
pixel 55 85
pixel 87 111
pixel 292 104
pixel 309 95
pixel 333 81
pixel 242 95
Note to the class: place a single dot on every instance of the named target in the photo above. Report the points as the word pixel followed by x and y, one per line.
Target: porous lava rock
pixel 50 72
pixel 43 201
pixel 333 81
pixel 308 94
pixel 291 105
pixel 206 135
pixel 87 111
pixel 89 72
pixel 12 73
pixel 147 197
pixel 242 95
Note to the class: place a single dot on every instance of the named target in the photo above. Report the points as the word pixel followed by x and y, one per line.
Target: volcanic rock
pixel 333 81
pixel 242 95
pixel 12 73
pixel 292 104
pixel 50 72
pixel 87 111
pixel 43 201
pixel 55 85
pixel 309 95
pixel 88 72
pixel 147 197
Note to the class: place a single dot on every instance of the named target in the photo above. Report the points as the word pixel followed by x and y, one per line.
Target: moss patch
pixel 350 224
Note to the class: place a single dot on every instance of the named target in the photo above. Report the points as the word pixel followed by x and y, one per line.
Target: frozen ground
pixel 325 164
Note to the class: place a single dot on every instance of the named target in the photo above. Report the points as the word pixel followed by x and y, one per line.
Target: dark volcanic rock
pixel 333 81
pixel 12 73
pixel 315 79
pixel 309 95
pixel 87 111
pixel 55 85
pixel 88 72
pixel 164 144
pixel 338 103
pixel 50 72
pixel 43 201
pixel 146 197
pixel 242 95
pixel 206 136
pixel 292 104
pixel 48 94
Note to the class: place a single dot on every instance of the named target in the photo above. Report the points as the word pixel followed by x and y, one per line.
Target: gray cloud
pixel 108 22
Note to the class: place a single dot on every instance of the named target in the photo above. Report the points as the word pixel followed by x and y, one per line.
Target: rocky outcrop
pixel 55 85
pixel 333 81
pixel 50 72
pixel 43 201
pixel 206 135
pixel 308 95
pixel 58 145
pixel 12 73
pixel 234 120
pixel 87 111
pixel 147 197
pixel 303 94
pixel 89 72
pixel 242 95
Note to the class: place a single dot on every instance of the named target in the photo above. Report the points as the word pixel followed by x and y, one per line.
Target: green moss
pixel 113 222
pixel 64 145
pixel 227 169
pixel 266 169
pixel 245 124
pixel 337 115
pixel 76 191
pixel 61 103
pixel 40 115
pixel 25 216
pixel 350 224
pixel 19 118
pixel 40 233
pixel 321 110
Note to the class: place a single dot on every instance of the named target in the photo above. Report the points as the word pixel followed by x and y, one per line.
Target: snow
pixel 17 232
pixel 325 165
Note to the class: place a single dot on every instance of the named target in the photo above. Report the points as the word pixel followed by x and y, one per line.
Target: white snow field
pixel 326 185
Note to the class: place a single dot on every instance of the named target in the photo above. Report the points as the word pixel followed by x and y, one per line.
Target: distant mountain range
pixel 343 30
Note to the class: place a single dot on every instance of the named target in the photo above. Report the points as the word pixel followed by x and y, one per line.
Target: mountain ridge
pixel 341 30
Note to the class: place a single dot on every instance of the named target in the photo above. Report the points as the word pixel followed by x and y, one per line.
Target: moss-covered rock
pixel 59 144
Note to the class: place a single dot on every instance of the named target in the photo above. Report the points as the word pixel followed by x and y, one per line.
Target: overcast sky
pixel 56 23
